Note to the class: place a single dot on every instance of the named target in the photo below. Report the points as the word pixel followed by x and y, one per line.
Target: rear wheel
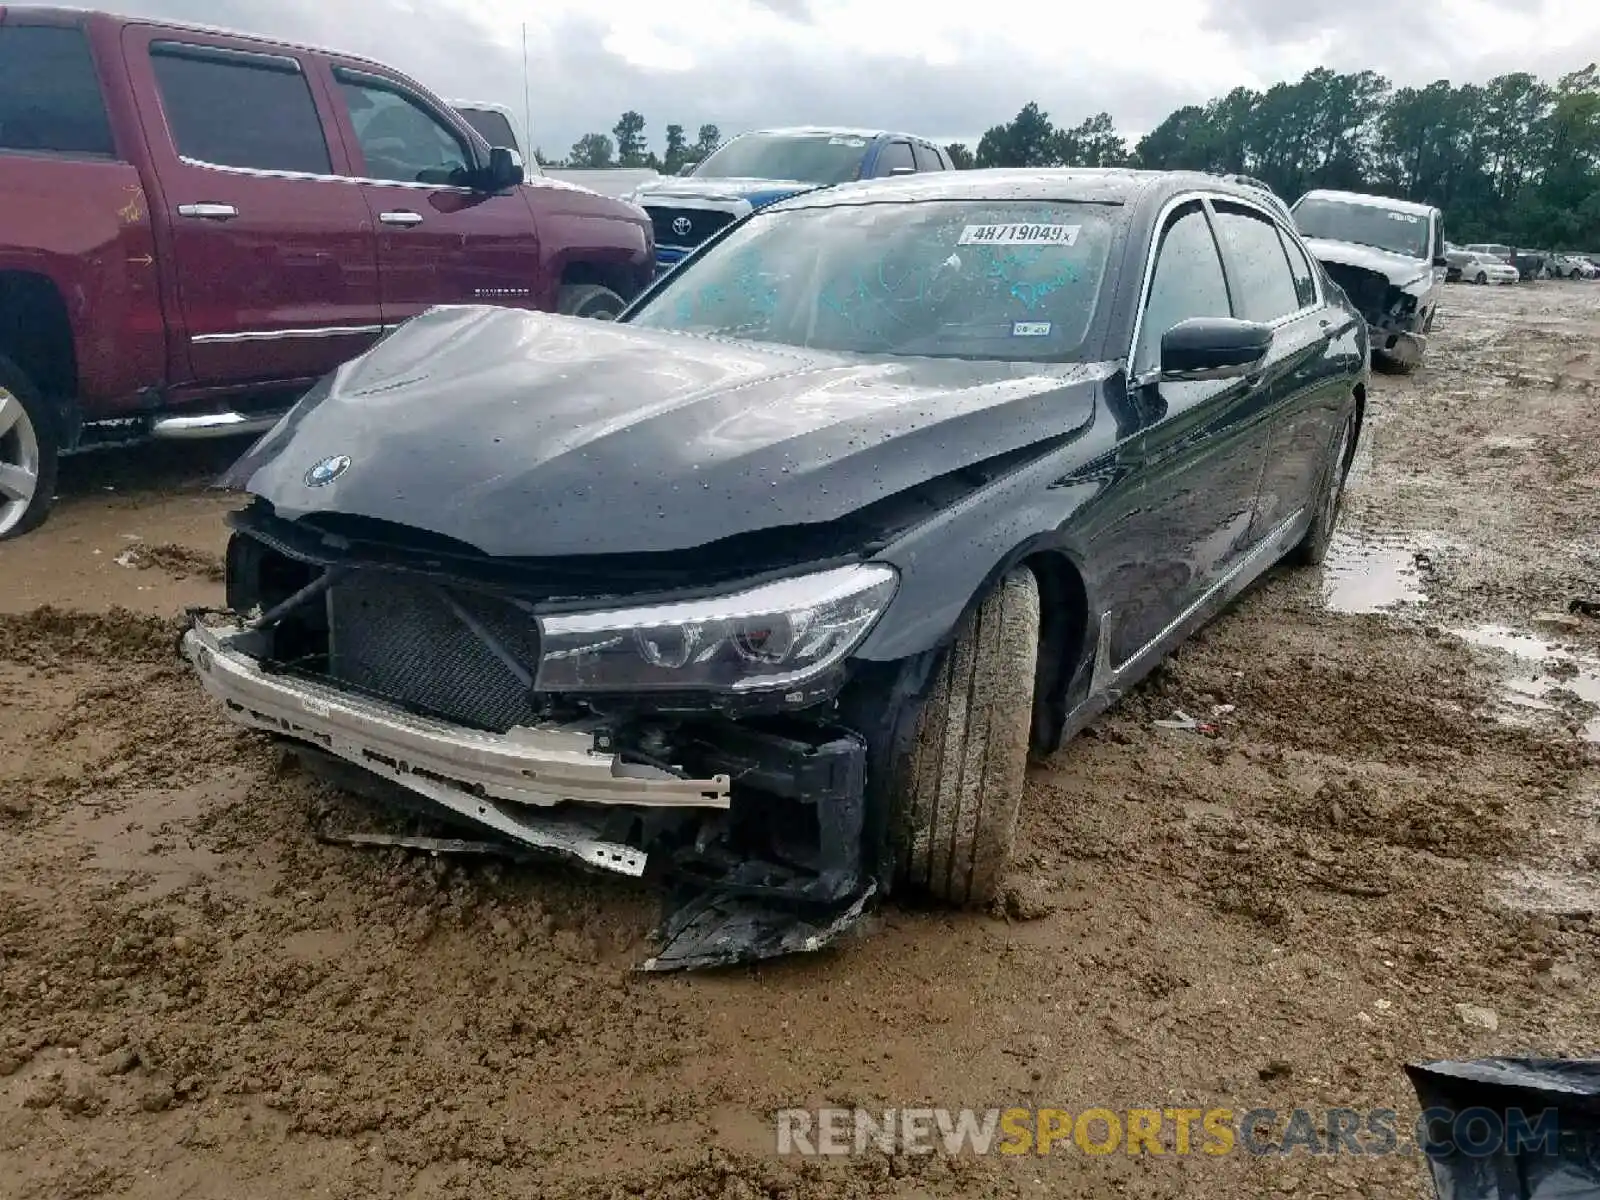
pixel 589 300
pixel 954 811
pixel 28 454
pixel 1313 548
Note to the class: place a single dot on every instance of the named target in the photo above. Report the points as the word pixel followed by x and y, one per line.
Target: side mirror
pixel 902 171
pixel 1213 348
pixel 504 170
pixel 1440 260
pixel 687 168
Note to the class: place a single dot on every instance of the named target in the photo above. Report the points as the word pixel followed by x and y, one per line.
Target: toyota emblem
pixel 682 226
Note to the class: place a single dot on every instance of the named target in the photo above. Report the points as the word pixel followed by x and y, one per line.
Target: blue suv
pixel 767 165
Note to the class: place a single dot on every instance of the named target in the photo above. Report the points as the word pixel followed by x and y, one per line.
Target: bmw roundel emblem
pixel 327 470
pixel 682 226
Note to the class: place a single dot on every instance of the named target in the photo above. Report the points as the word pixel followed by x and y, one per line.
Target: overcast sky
pixel 944 70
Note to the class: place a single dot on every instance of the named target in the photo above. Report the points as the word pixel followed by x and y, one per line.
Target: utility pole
pixel 527 101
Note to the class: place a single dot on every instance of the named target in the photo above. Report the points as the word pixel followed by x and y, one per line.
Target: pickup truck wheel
pixel 953 816
pixel 589 300
pixel 1482 278
pixel 28 453
pixel 1313 548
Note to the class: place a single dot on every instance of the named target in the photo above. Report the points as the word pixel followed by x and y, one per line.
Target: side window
pixel 927 158
pixel 896 155
pixel 1187 282
pixel 1305 286
pixel 1263 283
pixel 401 141
pixel 240 110
pixel 1438 235
pixel 49 94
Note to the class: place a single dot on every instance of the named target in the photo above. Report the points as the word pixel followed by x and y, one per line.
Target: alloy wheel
pixel 19 462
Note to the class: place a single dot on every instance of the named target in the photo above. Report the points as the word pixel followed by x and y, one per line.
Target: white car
pixel 1487 268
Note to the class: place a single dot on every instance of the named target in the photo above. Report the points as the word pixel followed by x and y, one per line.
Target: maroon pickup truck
pixel 196 225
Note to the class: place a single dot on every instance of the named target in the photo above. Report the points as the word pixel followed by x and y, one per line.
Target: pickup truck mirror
pixel 893 171
pixel 1213 348
pixel 504 171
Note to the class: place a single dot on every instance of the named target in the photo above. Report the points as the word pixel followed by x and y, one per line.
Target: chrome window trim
pixel 1205 196
pixel 276 335
pixel 312 177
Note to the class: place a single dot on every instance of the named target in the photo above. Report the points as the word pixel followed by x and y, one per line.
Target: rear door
pixel 439 241
pixel 1301 392
pixel 274 253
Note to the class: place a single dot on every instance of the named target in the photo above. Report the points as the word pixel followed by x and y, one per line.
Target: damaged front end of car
pixel 1396 321
pixel 690 741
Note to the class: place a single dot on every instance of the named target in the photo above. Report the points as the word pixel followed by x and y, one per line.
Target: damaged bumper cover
pixel 560 789
pixel 491 779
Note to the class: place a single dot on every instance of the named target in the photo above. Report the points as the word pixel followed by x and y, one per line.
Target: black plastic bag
pixel 1511 1128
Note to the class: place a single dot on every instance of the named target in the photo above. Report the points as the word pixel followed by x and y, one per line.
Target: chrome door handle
pixel 400 218
pixel 208 212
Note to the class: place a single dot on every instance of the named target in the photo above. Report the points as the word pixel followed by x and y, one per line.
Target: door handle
pixel 401 217
pixel 208 212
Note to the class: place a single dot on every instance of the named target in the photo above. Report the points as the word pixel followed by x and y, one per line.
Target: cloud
pixel 942 71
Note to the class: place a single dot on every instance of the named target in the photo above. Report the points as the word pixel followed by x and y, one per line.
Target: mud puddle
pixel 1546 678
pixel 1374 574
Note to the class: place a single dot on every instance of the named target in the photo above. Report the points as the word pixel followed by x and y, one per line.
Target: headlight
pixel 767 637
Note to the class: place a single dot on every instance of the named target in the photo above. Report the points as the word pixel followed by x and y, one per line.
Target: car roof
pixel 1387 202
pixel 1090 185
pixel 485 105
pixel 832 131
pixel 68 15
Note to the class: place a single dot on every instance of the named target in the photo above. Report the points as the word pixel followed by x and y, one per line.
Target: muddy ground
pixel 200 999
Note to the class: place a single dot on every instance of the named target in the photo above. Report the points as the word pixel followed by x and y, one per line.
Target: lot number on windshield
pixel 1019 235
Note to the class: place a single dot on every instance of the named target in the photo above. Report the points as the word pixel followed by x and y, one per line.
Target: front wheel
pixel 589 300
pixel 28 454
pixel 953 816
pixel 1313 548
pixel 1482 278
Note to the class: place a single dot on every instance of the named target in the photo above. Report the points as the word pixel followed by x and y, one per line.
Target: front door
pixel 1200 453
pixel 439 242
pixel 273 254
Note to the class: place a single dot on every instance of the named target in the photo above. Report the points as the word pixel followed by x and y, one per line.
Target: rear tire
pixel 1387 365
pixel 589 300
pixel 953 818
pixel 1313 548
pixel 29 453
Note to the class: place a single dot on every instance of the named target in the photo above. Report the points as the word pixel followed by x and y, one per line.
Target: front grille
pixel 401 638
pixel 701 224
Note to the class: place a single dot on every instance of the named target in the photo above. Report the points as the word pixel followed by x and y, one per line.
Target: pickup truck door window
pixel 274 258
pixel 1199 455
pixel 896 155
pixel 927 159
pixel 439 240
pixel 50 98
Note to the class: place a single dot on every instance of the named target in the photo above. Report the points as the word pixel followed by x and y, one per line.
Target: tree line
pixel 627 146
pixel 1514 160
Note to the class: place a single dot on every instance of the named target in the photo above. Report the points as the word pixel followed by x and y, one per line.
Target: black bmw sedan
pixel 767 589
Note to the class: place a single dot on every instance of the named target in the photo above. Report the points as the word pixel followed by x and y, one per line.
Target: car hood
pixel 755 192
pixel 1398 269
pixel 525 434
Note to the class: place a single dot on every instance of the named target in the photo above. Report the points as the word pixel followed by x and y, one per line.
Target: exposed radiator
pixel 399 637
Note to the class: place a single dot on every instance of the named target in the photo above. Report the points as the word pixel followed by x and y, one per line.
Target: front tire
pixel 1313 548
pixel 953 816
pixel 589 300
pixel 29 452
pixel 1482 278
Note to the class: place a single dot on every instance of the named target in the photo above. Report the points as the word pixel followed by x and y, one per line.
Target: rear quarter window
pixel 50 99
